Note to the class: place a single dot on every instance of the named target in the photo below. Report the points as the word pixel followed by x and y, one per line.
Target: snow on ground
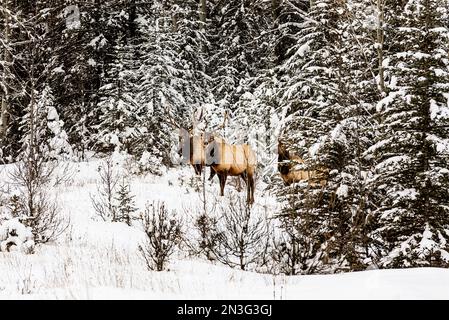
pixel 99 260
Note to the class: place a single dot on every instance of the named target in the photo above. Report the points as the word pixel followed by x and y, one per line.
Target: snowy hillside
pixel 94 259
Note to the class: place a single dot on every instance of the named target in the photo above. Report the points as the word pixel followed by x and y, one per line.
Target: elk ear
pixel 201 115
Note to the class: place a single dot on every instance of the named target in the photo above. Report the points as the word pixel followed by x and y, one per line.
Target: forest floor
pixel 94 259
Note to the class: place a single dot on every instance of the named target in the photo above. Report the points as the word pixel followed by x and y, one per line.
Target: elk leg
pixel 244 177
pixel 212 173
pixel 220 178
pixel 250 188
pixel 238 185
pixel 223 178
pixel 253 188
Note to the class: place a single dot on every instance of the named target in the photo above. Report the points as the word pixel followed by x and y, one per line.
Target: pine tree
pixel 58 140
pixel 238 32
pixel 411 177
pixel 118 107
pixel 126 204
pixel 79 46
pixel 288 17
pixel 326 126
pixel 171 75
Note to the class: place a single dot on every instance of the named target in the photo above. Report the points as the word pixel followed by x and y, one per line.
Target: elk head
pixel 190 142
pixel 283 159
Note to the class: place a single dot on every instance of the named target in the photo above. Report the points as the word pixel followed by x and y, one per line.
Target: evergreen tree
pixel 58 140
pixel 411 176
pixel 326 125
pixel 288 17
pixel 126 204
pixel 238 32
pixel 79 47
pixel 171 75
pixel 118 107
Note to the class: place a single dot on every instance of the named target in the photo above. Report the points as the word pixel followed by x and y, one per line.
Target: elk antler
pixel 196 120
pixel 170 120
pixel 223 125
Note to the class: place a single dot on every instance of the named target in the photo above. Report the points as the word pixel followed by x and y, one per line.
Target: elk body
pixel 232 160
pixel 289 174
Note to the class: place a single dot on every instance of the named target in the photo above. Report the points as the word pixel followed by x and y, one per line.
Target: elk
pixel 191 145
pixel 289 174
pixel 231 160
pixel 194 145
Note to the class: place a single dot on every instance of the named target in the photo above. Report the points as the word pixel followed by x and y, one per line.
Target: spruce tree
pixel 171 77
pixel 411 177
pixel 118 107
pixel 238 32
pixel 326 125
pixel 125 204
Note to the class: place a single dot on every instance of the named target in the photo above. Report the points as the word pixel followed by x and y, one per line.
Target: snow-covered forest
pixel 344 104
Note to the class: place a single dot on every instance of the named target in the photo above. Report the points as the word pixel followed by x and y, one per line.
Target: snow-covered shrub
pixel 163 233
pixel 15 236
pixel 149 162
pixel 208 237
pixel 59 146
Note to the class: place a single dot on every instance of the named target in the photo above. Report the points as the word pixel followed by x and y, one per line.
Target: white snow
pixel 72 17
pixel 338 135
pixel 98 42
pixel 91 62
pixel 304 49
pixel 438 111
pixel 59 69
pixel 342 191
pixel 59 145
pixel 14 236
pixel 99 260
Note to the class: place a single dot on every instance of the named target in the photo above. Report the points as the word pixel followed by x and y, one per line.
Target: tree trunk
pixel 203 13
pixel 275 8
pixel 380 44
pixel 4 121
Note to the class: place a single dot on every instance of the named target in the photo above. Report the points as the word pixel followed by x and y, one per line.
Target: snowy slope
pixel 99 260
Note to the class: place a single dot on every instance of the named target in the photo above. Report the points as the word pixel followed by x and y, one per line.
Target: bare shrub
pixel 242 234
pixel 285 254
pixel 103 201
pixel 33 204
pixel 293 248
pixel 163 234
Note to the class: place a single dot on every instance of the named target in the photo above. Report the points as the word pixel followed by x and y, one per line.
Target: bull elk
pixel 289 174
pixel 196 156
pixel 191 145
pixel 232 160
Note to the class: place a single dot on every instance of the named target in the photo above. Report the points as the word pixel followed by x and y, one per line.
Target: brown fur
pixel 232 160
pixel 197 155
pixel 290 175
pixel 196 151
